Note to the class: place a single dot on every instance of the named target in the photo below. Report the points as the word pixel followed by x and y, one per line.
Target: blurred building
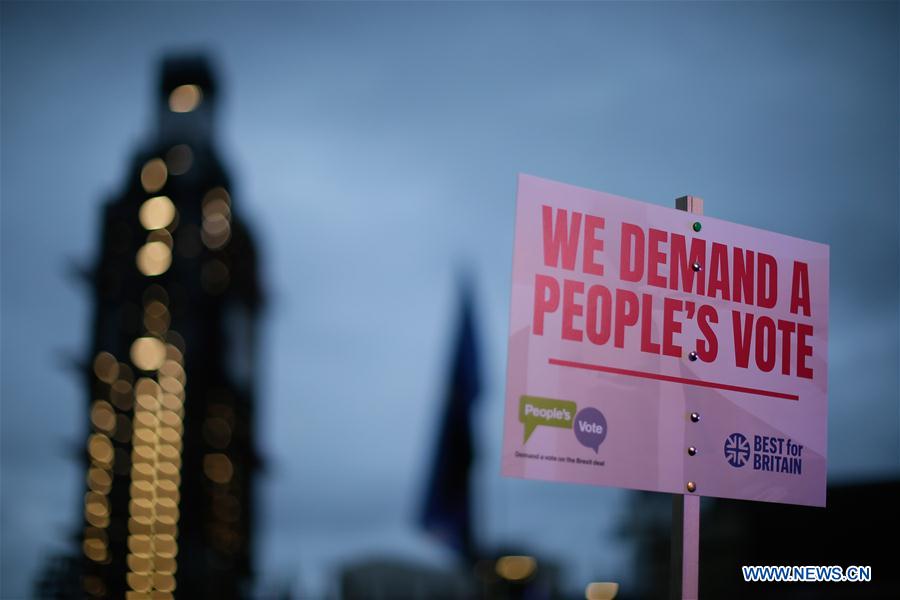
pixel 170 459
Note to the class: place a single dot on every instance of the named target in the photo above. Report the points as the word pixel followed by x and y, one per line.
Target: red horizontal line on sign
pixel 671 378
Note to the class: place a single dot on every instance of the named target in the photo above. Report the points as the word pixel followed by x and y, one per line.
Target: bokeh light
pixel 154 258
pixel 516 568
pixel 148 353
pixel 106 367
pixel 154 175
pixel 218 468
pixel 185 98
pixel 156 212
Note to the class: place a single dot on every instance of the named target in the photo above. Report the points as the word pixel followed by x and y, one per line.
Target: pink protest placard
pixel 651 348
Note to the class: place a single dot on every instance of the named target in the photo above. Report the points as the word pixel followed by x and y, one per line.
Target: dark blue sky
pixel 375 149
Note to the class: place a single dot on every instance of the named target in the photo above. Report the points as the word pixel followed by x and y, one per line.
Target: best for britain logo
pixel 737 450
pixel 768 453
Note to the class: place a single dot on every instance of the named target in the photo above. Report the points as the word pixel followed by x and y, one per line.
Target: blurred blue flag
pixel 447 510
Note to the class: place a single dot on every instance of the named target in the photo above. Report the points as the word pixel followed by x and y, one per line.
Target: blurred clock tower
pixel 170 457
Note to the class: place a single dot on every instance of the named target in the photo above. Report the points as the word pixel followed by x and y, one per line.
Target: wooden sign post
pixel 685 563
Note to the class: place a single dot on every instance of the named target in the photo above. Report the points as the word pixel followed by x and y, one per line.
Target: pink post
pixel 685 564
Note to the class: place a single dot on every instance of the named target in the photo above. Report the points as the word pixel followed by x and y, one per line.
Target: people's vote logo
pixel 590 428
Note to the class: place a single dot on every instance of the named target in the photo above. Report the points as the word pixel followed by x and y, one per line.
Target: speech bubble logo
pixel 590 428
pixel 549 412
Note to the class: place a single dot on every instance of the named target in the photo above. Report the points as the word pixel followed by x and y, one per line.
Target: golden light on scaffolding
pixel 216 227
pixel 145 420
pixel 174 463
pixel 172 402
pixel 106 367
pixel 141 489
pixel 166 546
pixel 154 258
pixel 165 470
pixel 145 437
pixel 96 503
pixel 155 309
pixel 140 526
pixel 156 317
pixel 167 487
pixel 139 582
pixel 172 348
pixel 172 368
pixel 145 386
pixel 165 529
pixel 216 205
pixel 215 224
pixel 125 375
pixel 601 590
pixel 143 454
pixel 94 549
pixel 161 235
pixel 169 436
pixel 170 492
pixel 148 353
pixel 140 564
pixel 215 194
pixel 216 231
pixel 148 403
pixel 141 507
pixel 154 175
pixel 99 480
pixel 121 385
pixel 170 418
pixel 185 98
pixel 142 472
pixel 156 452
pixel 103 416
pixel 165 565
pixel 218 468
pixel 120 393
pixel 140 545
pixel 96 509
pixel 157 212
pixel 516 568
pixel 147 392
pixel 164 582
pixel 156 292
pixel 100 448
pixel 170 385
pixel 94 586
pixel 97 520
pixel 166 511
